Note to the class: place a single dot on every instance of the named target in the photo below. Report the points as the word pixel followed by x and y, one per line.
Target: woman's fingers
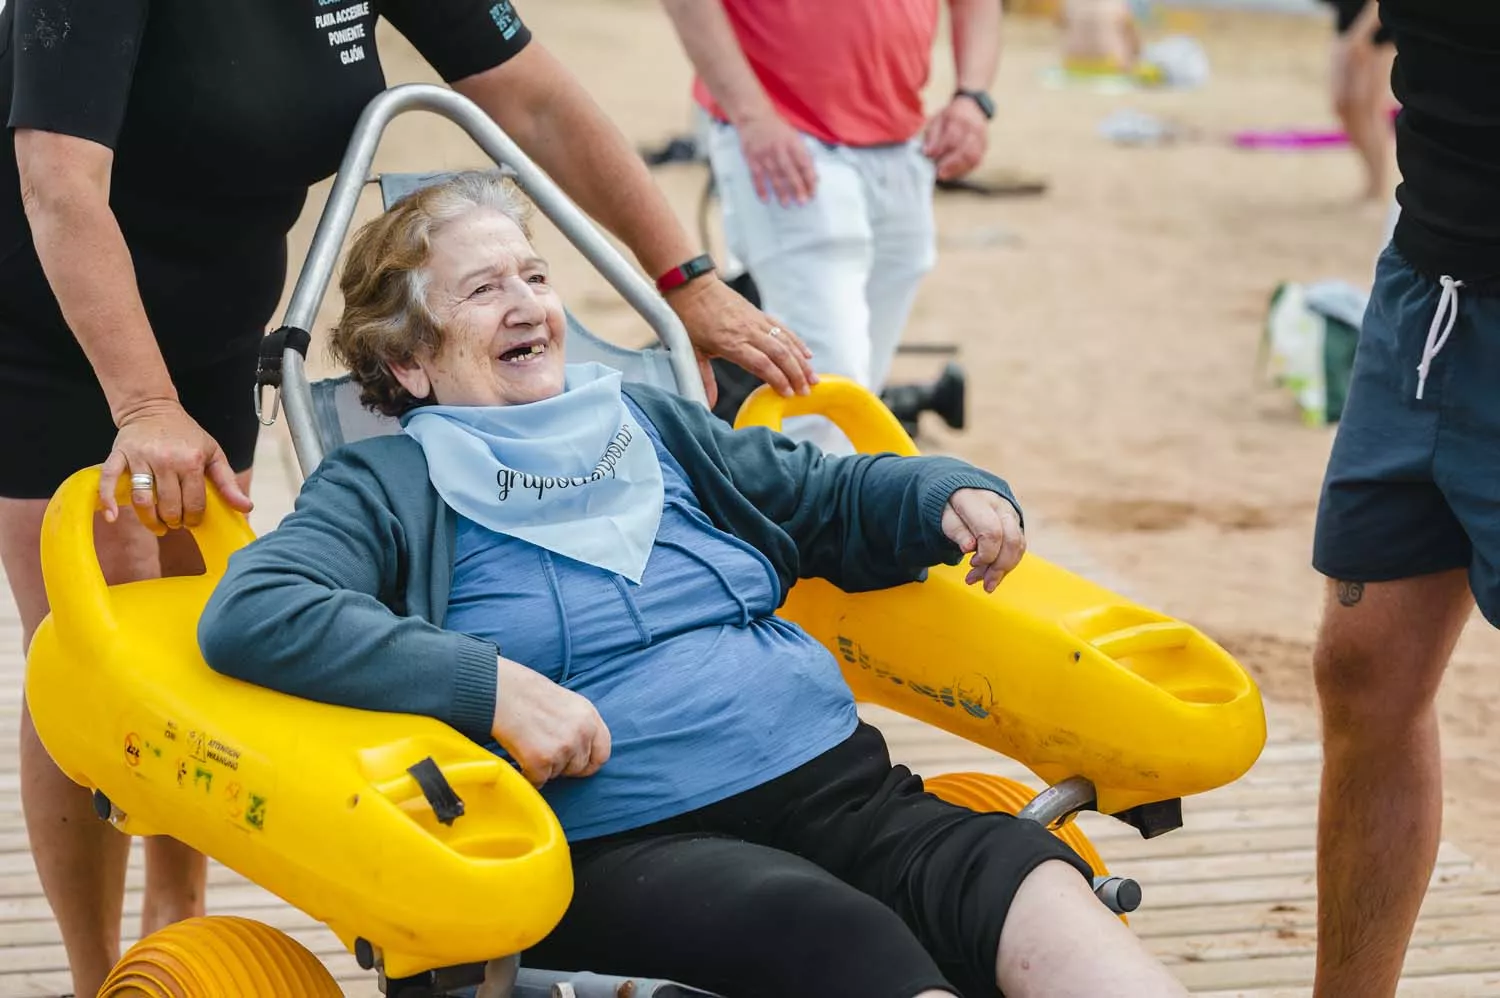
pixel 109 480
pixel 143 487
pixel 222 475
pixel 170 485
pixel 984 522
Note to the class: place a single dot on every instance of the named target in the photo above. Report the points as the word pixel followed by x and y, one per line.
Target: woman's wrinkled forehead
pixel 480 239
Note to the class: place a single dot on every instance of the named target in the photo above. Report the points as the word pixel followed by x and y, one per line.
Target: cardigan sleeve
pixel 865 521
pixel 310 609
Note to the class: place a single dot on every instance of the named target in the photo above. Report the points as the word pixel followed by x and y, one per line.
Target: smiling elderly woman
pixel 583 575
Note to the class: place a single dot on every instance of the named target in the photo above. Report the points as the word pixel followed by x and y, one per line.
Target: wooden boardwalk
pixel 1229 898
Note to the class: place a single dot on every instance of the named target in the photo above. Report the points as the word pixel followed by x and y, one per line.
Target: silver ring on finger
pixel 774 331
pixel 143 482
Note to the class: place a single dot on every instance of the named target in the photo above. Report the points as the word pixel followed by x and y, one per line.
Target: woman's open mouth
pixel 525 353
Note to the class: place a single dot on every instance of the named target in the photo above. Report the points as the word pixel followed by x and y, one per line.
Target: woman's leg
pixel 999 902
pixel 1361 98
pixel 733 918
pixel 1059 941
pixel 81 860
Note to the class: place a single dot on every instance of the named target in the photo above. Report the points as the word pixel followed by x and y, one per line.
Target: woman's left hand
pixel 721 323
pixel 984 523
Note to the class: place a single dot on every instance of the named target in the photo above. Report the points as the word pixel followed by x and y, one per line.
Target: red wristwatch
pixel 678 276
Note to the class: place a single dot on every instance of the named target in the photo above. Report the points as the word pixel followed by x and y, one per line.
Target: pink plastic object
pixel 1291 139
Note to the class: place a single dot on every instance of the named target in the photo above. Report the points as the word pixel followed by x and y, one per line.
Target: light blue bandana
pixel 575 473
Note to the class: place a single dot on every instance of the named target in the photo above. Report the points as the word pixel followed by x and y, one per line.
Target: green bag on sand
pixel 1308 345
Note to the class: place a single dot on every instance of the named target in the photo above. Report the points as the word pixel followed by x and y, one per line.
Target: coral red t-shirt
pixel 850 72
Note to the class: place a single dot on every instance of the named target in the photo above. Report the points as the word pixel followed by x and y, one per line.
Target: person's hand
pixel 779 161
pixel 721 323
pixel 548 730
pixel 956 137
pixel 985 524
pixel 161 441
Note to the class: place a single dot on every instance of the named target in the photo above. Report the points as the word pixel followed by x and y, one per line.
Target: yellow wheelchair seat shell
pixel 1058 673
pixel 315 803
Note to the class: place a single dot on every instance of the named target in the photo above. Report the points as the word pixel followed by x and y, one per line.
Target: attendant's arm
pixel 549 114
pixel 65 184
pixel 778 160
pixel 957 136
pixel 304 610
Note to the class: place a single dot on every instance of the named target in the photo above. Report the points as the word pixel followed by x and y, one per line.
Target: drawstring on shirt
pixel 1447 307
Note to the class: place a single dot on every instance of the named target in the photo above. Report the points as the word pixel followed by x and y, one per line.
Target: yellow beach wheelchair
pixel 433 860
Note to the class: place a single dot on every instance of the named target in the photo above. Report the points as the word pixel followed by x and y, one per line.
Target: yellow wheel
pixel 218 956
pixel 987 792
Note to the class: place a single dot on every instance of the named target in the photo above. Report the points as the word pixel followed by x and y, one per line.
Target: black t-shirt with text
pixel 220 115
pixel 1447 78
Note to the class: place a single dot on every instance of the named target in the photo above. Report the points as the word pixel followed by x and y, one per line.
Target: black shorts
pixel 1412 486
pixel 843 877
pixel 54 419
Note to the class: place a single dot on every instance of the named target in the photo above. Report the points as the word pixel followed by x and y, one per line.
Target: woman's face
pixel 502 323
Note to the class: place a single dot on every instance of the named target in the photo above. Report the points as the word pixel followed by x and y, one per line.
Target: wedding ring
pixel 142 483
pixel 774 331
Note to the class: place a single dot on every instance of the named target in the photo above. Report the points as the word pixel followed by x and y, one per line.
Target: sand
pixel 1109 327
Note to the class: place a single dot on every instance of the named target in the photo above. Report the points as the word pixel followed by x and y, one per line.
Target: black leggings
pixel 843 877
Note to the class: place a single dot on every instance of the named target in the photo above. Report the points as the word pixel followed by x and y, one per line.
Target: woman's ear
pixel 412 377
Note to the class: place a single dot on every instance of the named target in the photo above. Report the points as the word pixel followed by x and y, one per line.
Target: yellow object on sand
pixel 1051 670
pixel 312 802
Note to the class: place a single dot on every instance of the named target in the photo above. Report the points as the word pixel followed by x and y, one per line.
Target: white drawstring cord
pixel 1447 307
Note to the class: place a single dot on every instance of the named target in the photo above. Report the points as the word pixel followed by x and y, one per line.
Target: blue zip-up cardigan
pixel 344 602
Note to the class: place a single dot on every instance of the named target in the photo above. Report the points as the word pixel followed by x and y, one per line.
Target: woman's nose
pixel 525 305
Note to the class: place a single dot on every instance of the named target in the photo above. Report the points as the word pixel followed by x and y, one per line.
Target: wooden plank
pixel 1208 920
pixel 1271 889
pixel 1480 985
pixel 1278 942
pixel 1177 870
pixel 1284 971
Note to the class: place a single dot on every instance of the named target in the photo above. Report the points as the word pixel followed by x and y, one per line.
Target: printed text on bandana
pixel 509 480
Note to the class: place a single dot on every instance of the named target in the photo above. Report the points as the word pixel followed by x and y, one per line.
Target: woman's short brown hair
pixel 386 317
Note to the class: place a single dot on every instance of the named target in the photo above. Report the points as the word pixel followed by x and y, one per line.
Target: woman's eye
pixel 482 289
pixel 537 278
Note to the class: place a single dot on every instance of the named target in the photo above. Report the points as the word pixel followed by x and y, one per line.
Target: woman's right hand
pixel 160 439
pixel 549 730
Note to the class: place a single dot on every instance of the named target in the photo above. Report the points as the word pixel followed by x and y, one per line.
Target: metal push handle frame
pixel 338 214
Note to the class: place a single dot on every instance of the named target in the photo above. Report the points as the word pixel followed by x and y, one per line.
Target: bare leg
pixel 1360 101
pixel 1381 654
pixel 1060 941
pixel 80 859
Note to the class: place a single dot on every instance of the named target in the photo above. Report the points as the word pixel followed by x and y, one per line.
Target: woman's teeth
pixel 523 353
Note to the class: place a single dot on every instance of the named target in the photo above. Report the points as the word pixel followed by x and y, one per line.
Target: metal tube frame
pixel 333 228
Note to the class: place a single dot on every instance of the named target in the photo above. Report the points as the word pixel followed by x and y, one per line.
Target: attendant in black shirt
pixel 158 153
pixel 1408 528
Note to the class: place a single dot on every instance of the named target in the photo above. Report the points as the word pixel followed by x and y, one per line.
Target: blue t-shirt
pixel 706 693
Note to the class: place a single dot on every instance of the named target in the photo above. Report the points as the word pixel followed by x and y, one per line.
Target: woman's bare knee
pixel 1059 940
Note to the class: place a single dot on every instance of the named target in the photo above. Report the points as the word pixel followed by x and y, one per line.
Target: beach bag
pixel 1308 344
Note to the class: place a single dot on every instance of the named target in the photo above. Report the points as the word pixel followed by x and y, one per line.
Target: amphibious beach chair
pixel 434 861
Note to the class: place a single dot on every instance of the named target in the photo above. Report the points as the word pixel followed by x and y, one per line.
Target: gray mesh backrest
pixel 342 419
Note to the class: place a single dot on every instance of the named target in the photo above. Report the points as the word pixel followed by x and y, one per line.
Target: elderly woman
pixel 583 575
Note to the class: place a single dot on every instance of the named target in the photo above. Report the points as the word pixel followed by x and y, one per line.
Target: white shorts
pixel 842 270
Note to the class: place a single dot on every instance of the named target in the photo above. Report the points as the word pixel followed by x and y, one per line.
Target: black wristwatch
pixel 986 104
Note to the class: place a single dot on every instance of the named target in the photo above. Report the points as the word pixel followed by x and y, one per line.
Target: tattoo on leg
pixel 1351 593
